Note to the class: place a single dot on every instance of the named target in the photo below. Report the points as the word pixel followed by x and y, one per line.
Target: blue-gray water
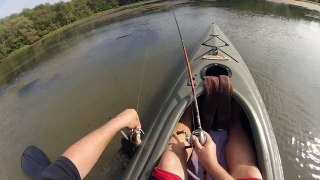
pixel 76 89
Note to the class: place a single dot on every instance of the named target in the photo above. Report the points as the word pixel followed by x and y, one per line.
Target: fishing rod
pixel 198 132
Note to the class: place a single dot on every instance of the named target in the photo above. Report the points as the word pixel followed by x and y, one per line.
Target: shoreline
pixel 135 9
pixel 128 11
pixel 14 64
pixel 302 3
pixel 111 15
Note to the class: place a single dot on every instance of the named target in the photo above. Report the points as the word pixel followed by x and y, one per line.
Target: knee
pixel 169 160
pixel 245 171
pixel 172 163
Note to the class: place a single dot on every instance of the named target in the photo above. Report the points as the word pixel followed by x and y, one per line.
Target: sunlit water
pixel 82 86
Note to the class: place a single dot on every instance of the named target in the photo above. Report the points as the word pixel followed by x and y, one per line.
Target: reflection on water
pixel 270 8
pixel 89 74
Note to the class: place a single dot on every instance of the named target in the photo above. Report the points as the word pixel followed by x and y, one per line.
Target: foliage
pixel 101 5
pixel 124 2
pixel 15 32
pixel 30 25
pixel 81 9
pixel 64 13
pixel 43 17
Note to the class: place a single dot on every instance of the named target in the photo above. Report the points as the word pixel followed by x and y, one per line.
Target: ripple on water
pixel 299 147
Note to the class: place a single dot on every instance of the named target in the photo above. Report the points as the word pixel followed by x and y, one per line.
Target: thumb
pixel 139 126
pixel 196 143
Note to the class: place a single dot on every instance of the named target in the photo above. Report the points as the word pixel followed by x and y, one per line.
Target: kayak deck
pixel 215 56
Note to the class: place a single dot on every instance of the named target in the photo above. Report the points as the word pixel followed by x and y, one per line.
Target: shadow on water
pixel 29 88
pixel 34 86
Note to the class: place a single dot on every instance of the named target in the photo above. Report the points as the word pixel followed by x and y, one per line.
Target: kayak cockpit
pixel 210 62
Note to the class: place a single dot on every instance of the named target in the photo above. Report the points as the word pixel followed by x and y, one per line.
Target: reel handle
pixel 199 133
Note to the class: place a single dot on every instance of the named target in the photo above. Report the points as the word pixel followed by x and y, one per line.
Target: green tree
pixel 64 13
pixel 96 5
pixel 101 5
pixel 3 38
pixel 15 32
pixel 81 9
pixel 43 17
pixel 29 26
pixel 124 2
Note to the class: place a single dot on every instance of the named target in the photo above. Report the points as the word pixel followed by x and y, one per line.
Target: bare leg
pixel 175 158
pixel 240 154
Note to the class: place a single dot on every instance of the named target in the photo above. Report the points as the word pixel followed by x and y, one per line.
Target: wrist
pixel 219 172
pixel 116 124
pixel 212 164
pixel 213 168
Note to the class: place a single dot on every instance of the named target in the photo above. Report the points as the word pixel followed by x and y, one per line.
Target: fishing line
pixel 142 72
pixel 140 89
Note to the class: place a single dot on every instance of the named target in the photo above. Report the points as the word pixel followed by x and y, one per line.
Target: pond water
pixel 91 76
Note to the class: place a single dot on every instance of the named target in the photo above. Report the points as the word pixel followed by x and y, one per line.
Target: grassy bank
pixel 76 23
pixel 26 57
pixel 111 15
pixel 312 5
pixel 96 15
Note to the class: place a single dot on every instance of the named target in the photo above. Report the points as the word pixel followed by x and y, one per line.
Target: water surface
pixel 82 85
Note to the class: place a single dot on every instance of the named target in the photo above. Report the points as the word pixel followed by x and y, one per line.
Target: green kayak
pixel 214 56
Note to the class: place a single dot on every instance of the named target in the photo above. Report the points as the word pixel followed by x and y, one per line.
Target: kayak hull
pixel 210 61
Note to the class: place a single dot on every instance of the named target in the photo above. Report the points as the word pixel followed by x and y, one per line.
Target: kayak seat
pixel 216 110
pixel 215 103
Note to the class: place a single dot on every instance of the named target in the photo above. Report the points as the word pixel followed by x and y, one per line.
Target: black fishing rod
pixel 198 132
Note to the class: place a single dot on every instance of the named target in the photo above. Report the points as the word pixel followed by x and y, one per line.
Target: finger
pixel 139 125
pixel 196 142
pixel 208 137
pixel 209 140
pixel 138 121
pixel 134 125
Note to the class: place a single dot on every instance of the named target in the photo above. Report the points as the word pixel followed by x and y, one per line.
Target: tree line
pixel 25 28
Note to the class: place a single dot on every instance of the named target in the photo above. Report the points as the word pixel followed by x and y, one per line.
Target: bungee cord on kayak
pixel 216 48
